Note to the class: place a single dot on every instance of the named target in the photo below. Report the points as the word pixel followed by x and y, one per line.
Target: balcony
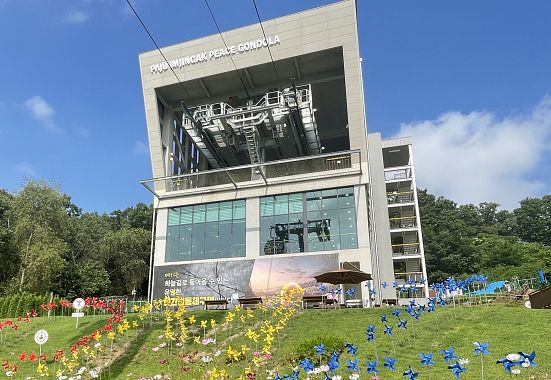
pixel 407 249
pixel 398 173
pixel 262 174
pixel 405 278
pixel 395 197
pixel 403 222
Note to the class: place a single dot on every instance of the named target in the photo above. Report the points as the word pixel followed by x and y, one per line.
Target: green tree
pixel 8 254
pixel 126 257
pixel 533 220
pixel 41 217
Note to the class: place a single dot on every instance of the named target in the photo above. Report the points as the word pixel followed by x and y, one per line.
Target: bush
pixel 305 349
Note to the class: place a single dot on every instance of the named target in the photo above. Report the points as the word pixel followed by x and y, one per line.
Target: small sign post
pixel 40 337
pixel 78 304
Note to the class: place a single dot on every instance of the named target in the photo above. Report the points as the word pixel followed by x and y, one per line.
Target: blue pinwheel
pixel 277 377
pixel 352 365
pixel 528 359
pixel 404 288
pixel 426 359
pixel 388 330
pixel 442 302
pixel 389 363
pixel 372 292
pixel 306 364
pixel 507 364
pixel 351 291
pixel 350 348
pixel 410 374
pixel 415 315
pixel 481 348
pixel 384 284
pixel 335 355
pixel 457 369
pixel 448 354
pixel 320 349
pixel 403 324
pixel 421 308
pixel 396 312
pixel 323 288
pixel 333 363
pixel 395 285
pixel 370 333
pixel 383 318
pixel 371 367
pixel 412 303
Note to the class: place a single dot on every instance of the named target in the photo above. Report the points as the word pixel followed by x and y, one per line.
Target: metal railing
pixel 288 170
pixel 405 278
pixel 397 173
pixel 405 249
pixel 403 222
pixel 394 197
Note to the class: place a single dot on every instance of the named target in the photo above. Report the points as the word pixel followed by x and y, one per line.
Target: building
pixel 261 170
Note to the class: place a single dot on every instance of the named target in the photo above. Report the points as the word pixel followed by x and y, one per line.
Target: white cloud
pixel 42 111
pixel 26 169
pixel 140 148
pixel 77 17
pixel 477 157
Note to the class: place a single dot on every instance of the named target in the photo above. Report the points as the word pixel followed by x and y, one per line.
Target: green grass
pixel 62 333
pixel 508 328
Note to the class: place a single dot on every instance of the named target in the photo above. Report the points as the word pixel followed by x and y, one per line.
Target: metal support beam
pixel 207 92
pixel 249 78
pixel 262 174
pixel 297 68
pixel 231 179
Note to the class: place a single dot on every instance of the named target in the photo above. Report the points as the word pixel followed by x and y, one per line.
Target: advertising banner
pixel 201 281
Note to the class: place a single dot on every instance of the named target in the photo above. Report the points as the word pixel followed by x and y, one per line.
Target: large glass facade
pixel 308 222
pixel 206 231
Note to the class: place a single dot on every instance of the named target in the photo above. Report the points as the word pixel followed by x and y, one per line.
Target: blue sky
pixel 467 79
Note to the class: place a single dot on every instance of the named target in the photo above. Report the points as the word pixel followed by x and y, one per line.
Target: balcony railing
pixel 394 197
pixel 282 171
pixel 397 173
pixel 406 278
pixel 405 249
pixel 403 222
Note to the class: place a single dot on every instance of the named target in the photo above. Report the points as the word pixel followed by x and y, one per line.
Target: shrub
pixel 306 349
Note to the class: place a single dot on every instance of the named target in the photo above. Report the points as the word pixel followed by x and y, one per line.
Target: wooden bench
pixel 390 301
pixel 312 299
pixel 354 303
pixel 218 303
pixel 250 302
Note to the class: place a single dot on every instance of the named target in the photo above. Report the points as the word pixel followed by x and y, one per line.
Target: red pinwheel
pixel 22 356
pixel 8 322
pixel 6 366
pixel 43 357
pixel 32 357
pixel 58 354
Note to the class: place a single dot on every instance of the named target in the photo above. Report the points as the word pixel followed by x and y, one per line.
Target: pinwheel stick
pixel 481 366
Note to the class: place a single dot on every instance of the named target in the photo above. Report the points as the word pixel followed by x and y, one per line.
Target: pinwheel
pixel 306 364
pixel 320 349
pixel 457 369
pixel 383 318
pixel 448 354
pixel 371 367
pixel 350 348
pixel 395 285
pixel 277 377
pixel 335 355
pixel 388 330
pixel 507 364
pixel 403 323
pixel 415 315
pixel 389 363
pixel 352 365
pixel 421 308
pixel 527 359
pixel 323 288
pixel 370 333
pixel 384 284
pixel 333 363
pixel 410 374
pixel 426 359
pixel 481 348
pixel 412 303
pixel 351 291
pixel 396 312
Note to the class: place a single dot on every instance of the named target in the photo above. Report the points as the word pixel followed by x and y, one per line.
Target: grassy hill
pixel 143 353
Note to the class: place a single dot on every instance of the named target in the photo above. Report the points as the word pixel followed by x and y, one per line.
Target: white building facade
pixel 262 174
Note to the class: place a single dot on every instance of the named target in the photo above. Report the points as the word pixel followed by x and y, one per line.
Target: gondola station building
pixel 263 172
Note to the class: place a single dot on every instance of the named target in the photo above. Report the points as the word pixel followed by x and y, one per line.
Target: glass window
pixel 173 216
pixel 206 231
pixel 308 222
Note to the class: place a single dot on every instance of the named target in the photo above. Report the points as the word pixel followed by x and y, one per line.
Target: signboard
pixel 200 281
pixel 77 315
pixel 217 53
pixel 78 303
pixel 41 337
